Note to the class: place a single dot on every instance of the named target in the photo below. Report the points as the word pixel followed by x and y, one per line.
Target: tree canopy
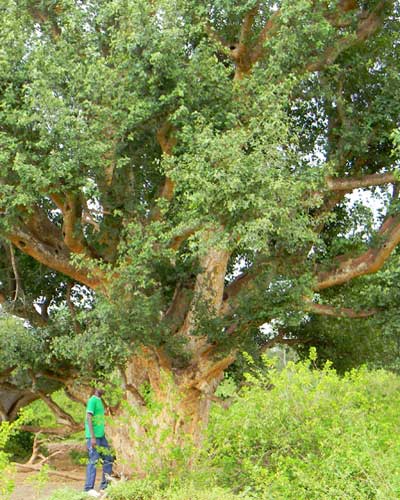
pixel 175 174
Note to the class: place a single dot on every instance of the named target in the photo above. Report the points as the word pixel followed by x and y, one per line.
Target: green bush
pixel 140 489
pixel 309 434
pixel 294 434
pixel 7 431
pixel 152 490
pixel 78 457
pixel 19 446
pixel 192 491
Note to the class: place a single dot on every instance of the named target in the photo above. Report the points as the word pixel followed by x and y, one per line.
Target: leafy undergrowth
pixel 298 433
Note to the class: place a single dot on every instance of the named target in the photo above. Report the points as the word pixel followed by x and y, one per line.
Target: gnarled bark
pixel 147 431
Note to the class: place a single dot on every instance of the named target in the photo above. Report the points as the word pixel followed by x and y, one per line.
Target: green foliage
pixel 78 457
pixel 81 112
pixel 7 431
pixel 19 446
pixel 182 490
pixel 42 416
pixel 7 483
pixel 38 414
pixel 18 345
pixel 87 90
pixel 145 489
pixel 139 489
pixel 294 433
pixel 191 491
pixel 348 343
pixel 306 433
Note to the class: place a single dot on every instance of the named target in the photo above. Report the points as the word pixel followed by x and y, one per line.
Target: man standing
pixel 97 444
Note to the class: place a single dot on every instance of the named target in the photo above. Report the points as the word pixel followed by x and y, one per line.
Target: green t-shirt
pixel 96 408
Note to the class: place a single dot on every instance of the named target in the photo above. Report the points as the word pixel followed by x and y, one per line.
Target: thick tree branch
pixel 201 383
pixel 61 415
pixel 367 263
pixel 350 183
pixel 340 186
pixel 177 241
pixel 64 379
pixel 44 16
pixel 247 26
pixel 26 399
pixel 53 431
pixel 43 241
pixel 234 288
pixel 131 389
pixel 366 28
pixel 71 230
pixel 17 399
pixel 244 281
pixel 74 397
pixel 267 32
pixel 281 339
pixel 167 141
pixel 58 200
pixel 338 312
pixel 209 286
pixel 44 308
pixel 27 311
pixel 240 53
pixel 246 57
pixel 6 373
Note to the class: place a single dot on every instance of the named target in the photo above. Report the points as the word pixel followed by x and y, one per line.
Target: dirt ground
pixel 29 488
pixel 26 489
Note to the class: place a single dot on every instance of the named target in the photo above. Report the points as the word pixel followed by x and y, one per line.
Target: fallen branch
pixel 54 431
pixel 50 471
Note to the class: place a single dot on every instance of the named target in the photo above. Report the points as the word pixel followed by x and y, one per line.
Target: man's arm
pixel 90 425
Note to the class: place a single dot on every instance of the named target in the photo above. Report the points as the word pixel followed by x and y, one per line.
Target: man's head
pixel 99 391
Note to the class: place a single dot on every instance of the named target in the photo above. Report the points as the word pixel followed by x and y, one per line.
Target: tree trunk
pixel 161 427
pixel 167 408
pixel 12 400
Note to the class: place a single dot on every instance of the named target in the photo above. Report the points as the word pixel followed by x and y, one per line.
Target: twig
pixel 18 287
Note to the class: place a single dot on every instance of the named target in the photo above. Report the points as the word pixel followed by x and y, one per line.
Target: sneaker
pixel 93 493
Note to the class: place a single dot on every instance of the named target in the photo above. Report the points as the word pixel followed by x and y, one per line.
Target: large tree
pixel 187 168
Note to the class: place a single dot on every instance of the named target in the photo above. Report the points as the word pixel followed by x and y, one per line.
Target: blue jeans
pixel 94 456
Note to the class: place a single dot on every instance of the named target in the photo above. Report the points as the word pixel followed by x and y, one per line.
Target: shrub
pixel 140 489
pixel 310 434
pixel 19 446
pixel 182 490
pixel 192 491
pixel 7 431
